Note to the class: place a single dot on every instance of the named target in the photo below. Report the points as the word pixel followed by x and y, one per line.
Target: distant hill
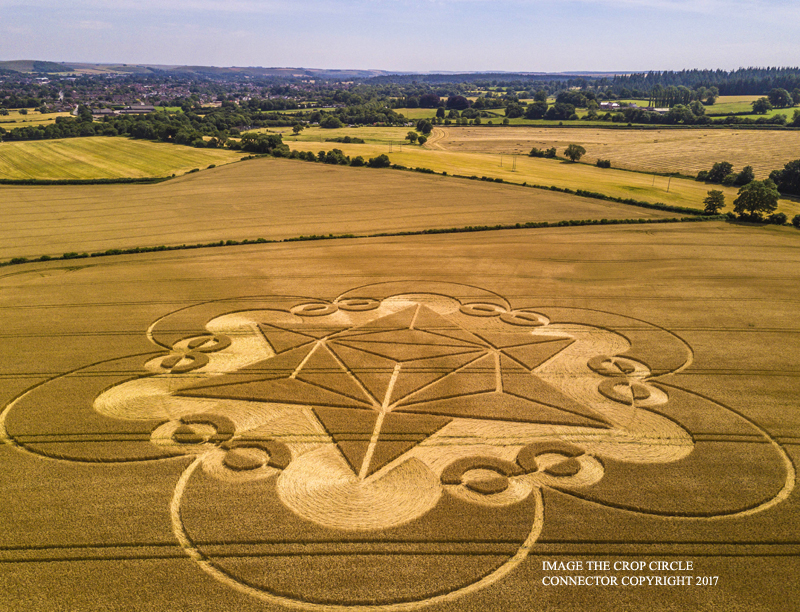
pixel 31 66
pixel 34 66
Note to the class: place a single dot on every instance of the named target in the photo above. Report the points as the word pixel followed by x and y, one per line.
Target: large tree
pixel 719 171
pixel 574 152
pixel 715 201
pixel 788 179
pixel 536 110
pixel 762 106
pixel 755 198
pixel 780 98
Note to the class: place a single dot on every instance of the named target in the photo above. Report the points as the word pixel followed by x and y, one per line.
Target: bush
pixel 702 175
pixel 382 161
pixel 796 221
pixel 357 161
pixel 603 163
pixel 777 218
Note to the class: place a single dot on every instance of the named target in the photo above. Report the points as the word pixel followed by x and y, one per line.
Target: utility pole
pixel 668 182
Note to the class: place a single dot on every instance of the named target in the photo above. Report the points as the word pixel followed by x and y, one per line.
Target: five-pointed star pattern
pixel 381 388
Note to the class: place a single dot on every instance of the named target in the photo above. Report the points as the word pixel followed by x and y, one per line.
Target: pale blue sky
pixel 408 35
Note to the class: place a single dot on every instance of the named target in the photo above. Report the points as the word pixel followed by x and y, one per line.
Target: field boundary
pixel 98 181
pixel 450 230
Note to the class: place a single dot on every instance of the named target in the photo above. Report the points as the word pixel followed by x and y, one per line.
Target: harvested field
pixel 686 151
pixel 271 199
pixel 101 157
pixel 562 174
pixel 32 118
pixel 405 423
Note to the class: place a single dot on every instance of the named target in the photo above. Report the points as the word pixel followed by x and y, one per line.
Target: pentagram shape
pixel 383 387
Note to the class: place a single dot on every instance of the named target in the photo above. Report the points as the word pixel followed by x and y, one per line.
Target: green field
pixel 103 157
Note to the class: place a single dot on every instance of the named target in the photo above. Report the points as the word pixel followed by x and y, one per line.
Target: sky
pixel 408 35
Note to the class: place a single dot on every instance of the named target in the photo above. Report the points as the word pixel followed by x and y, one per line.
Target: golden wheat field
pixel 686 151
pixel 271 199
pixel 441 423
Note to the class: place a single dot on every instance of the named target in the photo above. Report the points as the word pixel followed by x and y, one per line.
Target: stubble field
pixel 685 151
pixel 271 199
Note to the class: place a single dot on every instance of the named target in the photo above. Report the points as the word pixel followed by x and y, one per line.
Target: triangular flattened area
pixel 283 340
pixel 417 374
pixel 351 430
pixel 500 407
pixel 398 320
pixel 312 329
pixel 403 352
pixel 409 336
pixel 520 383
pixel 280 366
pixel 479 377
pixel 534 355
pixel 373 371
pixel 279 391
pixel 514 338
pixel 400 433
pixel 435 323
pixel 323 370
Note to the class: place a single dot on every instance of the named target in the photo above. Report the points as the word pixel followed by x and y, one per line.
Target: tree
pixel 719 171
pixel 424 126
pixel 697 108
pixel 429 100
pixel 297 128
pixel 514 110
pixel 536 110
pixel 780 98
pixel 574 152
pixel 755 198
pixel 422 140
pixel 382 161
pixel 560 111
pixel 788 179
pixel 715 201
pixel 330 122
pixel 745 176
pixel 457 102
pixel 762 106
pixel 440 112
pixel 411 137
pixel 540 96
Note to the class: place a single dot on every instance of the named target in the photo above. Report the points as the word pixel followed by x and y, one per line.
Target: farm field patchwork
pixel 686 151
pixel 103 157
pixel 406 423
pixel 272 199
pixel 536 171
